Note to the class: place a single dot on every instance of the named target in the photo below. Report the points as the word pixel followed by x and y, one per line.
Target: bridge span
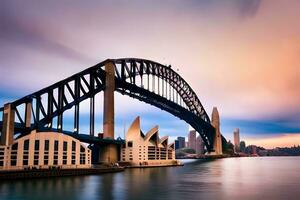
pixel 145 80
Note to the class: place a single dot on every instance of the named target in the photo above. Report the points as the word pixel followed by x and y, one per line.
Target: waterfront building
pixel 43 150
pixel 181 142
pixel 199 146
pixel 192 139
pixel 147 149
pixel 236 135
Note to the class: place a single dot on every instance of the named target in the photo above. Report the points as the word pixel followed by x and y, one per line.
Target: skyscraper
pixel 176 144
pixel 187 144
pixel 181 141
pixel 199 145
pixel 236 135
pixel 192 139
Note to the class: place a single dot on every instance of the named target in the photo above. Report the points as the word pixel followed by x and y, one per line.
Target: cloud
pixel 248 8
pixel 257 127
pixel 31 34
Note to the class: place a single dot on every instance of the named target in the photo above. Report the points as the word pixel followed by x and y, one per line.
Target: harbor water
pixel 230 178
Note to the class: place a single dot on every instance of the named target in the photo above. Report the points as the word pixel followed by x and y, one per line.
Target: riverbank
pixel 205 157
pixel 153 166
pixel 58 172
pixel 150 164
pixel 45 173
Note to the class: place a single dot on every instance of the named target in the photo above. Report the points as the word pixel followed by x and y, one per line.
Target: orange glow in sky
pixel 284 140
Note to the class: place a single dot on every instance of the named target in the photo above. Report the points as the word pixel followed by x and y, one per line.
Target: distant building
pixel 181 141
pixel 242 146
pixel 192 139
pixel 148 149
pixel 177 146
pixel 44 150
pixel 199 146
pixel 187 144
pixel 252 150
pixel 236 135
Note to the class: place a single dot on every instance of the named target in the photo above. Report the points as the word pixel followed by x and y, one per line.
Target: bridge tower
pixel 109 153
pixel 7 136
pixel 218 138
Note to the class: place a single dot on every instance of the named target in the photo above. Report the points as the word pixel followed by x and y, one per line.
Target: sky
pixel 242 56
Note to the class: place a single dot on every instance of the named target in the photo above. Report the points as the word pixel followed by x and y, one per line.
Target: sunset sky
pixel 242 56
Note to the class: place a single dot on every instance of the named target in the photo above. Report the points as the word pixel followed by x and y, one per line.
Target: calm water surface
pixel 233 178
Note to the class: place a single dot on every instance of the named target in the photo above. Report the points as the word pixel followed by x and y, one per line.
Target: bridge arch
pixel 145 80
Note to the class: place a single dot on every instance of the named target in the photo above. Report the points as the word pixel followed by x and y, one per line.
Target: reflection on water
pixel 232 178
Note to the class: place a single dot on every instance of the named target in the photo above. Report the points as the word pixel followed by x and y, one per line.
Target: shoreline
pixel 47 173
pixel 50 173
pixel 154 166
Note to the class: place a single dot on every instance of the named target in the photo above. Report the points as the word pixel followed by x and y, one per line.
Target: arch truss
pixel 145 80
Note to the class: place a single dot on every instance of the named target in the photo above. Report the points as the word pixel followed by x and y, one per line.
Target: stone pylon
pixel 109 153
pixel 7 136
pixel 218 138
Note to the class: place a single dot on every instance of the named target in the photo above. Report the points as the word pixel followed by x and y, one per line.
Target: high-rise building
pixel 181 142
pixel 199 145
pixel 187 144
pixel 236 135
pixel 192 139
pixel 176 144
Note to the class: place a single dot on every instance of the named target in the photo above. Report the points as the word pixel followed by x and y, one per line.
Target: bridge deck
pixel 82 137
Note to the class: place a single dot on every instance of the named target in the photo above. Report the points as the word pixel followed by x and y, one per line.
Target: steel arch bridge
pixel 145 80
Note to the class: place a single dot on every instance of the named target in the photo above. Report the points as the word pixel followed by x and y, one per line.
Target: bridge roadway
pixel 145 80
pixel 82 137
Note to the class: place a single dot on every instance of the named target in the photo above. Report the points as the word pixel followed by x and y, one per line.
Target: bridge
pixel 145 80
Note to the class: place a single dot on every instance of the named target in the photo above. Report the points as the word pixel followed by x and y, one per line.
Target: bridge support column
pixel 28 114
pixel 7 136
pixel 109 153
pixel 109 102
pixel 218 138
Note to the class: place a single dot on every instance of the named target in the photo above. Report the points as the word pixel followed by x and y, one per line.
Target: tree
pixel 242 146
pixel 228 148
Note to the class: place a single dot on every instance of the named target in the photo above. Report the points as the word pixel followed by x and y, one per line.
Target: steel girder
pixel 142 79
pixel 54 100
pixel 129 69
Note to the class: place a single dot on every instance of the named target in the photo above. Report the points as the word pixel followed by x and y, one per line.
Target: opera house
pixel 147 149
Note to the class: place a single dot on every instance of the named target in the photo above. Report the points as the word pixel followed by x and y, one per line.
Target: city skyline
pixel 256 66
